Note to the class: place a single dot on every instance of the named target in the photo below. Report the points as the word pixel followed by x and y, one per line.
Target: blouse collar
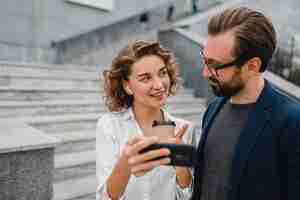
pixel 129 115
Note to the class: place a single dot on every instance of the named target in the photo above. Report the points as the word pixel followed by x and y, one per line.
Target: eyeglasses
pixel 213 68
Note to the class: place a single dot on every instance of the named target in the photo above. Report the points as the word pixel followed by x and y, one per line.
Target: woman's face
pixel 149 82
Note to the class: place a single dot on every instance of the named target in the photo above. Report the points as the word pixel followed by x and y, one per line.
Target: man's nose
pixel 205 72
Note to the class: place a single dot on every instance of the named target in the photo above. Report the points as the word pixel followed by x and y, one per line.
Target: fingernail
pixel 168 160
pixel 165 152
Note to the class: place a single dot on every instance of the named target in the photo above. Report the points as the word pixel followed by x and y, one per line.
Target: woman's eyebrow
pixel 143 74
pixel 163 68
pixel 148 74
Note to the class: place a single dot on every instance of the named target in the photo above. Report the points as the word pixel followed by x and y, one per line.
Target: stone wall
pixel 29 28
pixel 26 162
pixel 26 175
pixel 107 39
pixel 187 54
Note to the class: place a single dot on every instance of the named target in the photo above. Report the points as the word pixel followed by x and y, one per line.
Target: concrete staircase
pixel 65 101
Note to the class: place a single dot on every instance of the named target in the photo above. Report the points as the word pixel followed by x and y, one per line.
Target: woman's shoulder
pixel 116 115
pixel 112 117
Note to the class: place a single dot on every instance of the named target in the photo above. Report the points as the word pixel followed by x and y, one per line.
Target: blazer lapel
pixel 258 118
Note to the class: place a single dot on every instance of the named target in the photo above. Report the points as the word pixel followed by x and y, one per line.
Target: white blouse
pixel 113 131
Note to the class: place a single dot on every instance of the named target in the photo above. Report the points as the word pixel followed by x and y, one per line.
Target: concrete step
pixel 87 197
pixel 35 120
pixel 44 108
pixel 28 83
pixel 22 94
pixel 48 73
pixel 75 188
pixel 38 94
pixel 64 67
pixel 75 141
pixel 71 122
pixel 63 123
pixel 54 107
pixel 74 165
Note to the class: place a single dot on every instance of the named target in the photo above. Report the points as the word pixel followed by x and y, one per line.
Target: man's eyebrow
pixel 211 60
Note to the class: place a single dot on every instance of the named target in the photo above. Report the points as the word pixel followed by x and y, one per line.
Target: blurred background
pixel 52 55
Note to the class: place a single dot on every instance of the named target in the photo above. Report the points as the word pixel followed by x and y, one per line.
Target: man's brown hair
pixel 254 33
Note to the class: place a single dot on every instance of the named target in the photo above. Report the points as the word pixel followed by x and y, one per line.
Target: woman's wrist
pixel 124 165
pixel 117 182
pixel 183 176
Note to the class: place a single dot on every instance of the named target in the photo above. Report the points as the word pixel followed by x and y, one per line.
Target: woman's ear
pixel 127 88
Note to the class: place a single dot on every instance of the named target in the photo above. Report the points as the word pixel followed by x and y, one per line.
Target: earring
pixel 128 90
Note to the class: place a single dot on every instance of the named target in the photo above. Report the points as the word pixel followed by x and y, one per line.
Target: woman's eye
pixel 145 79
pixel 164 73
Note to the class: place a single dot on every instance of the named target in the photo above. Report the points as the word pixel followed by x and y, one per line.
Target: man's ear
pixel 127 88
pixel 254 64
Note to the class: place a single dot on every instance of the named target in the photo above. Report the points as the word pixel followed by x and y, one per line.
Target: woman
pixel 141 78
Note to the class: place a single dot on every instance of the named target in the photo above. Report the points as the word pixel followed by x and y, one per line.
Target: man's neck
pixel 251 91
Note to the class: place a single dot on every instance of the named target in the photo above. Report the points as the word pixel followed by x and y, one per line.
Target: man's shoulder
pixel 287 107
pixel 214 103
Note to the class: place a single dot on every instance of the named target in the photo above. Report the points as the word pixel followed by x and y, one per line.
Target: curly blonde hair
pixel 116 99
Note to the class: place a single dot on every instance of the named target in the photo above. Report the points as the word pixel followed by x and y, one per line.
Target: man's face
pixel 218 51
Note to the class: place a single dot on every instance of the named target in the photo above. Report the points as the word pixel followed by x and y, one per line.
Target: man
pixel 250 142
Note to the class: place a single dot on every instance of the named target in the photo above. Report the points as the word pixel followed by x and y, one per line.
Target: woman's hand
pixel 141 163
pixel 179 135
pixel 183 174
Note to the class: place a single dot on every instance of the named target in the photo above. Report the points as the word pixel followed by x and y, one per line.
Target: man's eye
pixel 208 62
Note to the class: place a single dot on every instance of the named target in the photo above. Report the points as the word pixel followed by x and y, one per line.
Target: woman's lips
pixel 159 96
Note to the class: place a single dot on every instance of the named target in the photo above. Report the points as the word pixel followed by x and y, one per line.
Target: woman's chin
pixel 158 104
pixel 162 103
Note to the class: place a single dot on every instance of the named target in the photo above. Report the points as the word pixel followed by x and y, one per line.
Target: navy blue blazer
pixel 266 161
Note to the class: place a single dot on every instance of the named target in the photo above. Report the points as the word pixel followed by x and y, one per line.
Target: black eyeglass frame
pixel 237 62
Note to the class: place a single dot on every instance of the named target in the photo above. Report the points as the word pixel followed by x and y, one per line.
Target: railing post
pixel 26 162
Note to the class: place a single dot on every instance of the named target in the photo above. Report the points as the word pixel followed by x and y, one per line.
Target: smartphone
pixel 181 154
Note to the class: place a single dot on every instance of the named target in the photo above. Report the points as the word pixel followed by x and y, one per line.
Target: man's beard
pixel 227 89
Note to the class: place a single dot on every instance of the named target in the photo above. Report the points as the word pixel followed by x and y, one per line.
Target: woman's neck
pixel 145 116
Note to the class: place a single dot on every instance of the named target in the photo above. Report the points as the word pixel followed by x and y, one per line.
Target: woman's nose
pixel 157 83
